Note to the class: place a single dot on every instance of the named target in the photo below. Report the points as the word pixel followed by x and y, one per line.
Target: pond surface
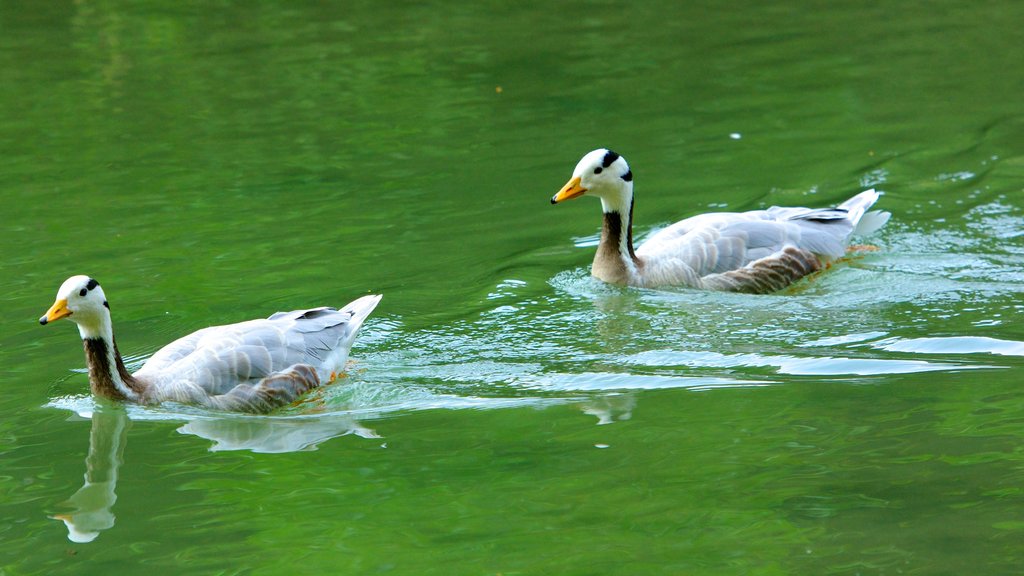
pixel 211 162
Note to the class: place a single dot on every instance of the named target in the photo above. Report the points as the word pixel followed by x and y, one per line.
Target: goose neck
pixel 108 376
pixel 617 231
pixel 615 261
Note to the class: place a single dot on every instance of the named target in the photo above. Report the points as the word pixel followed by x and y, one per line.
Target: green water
pixel 211 162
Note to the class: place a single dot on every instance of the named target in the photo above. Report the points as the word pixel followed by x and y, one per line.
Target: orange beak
pixel 56 312
pixel 571 190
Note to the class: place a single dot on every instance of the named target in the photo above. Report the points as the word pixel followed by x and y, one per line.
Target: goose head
pixel 602 173
pixel 81 300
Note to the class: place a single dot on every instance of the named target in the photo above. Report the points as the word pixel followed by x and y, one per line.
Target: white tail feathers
pixel 871 222
pixel 360 308
pixel 865 222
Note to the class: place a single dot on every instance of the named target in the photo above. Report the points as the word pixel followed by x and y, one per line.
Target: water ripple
pixel 604 381
pixel 954 345
pixel 794 365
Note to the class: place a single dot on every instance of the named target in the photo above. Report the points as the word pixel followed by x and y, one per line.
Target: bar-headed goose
pixel 758 251
pixel 253 366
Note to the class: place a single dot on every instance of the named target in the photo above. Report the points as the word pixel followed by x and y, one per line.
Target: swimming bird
pixel 757 251
pixel 253 366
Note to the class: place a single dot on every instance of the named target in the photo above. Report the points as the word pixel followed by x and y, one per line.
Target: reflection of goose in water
pixel 91 504
pixel 274 435
pixel 91 507
pixel 610 408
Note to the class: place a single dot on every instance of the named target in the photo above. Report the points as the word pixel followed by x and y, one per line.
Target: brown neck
pixel 110 381
pixel 615 252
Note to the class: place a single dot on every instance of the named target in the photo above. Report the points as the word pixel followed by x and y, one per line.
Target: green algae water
pixel 504 413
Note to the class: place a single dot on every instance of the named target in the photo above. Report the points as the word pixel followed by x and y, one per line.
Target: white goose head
pixel 81 300
pixel 602 173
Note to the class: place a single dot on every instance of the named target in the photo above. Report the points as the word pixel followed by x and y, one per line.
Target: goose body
pixel 757 251
pixel 253 366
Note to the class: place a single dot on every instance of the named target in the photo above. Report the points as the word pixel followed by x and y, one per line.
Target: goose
pixel 759 251
pixel 253 366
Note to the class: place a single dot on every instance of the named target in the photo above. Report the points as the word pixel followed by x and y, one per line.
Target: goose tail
pixel 360 309
pixel 865 222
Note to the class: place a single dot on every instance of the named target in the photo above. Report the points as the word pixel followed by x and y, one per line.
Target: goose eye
pixel 598 170
pixel 83 292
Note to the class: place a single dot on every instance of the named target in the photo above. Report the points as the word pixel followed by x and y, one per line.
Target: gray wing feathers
pixel 823 237
pixel 324 312
pixel 722 245
pixel 325 331
pixel 759 250
pixel 260 364
pixel 826 232
pixel 174 351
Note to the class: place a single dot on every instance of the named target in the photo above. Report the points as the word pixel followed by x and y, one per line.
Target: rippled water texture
pixel 504 413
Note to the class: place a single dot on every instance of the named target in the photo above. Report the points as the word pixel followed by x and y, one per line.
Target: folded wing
pixel 756 251
pixel 260 364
